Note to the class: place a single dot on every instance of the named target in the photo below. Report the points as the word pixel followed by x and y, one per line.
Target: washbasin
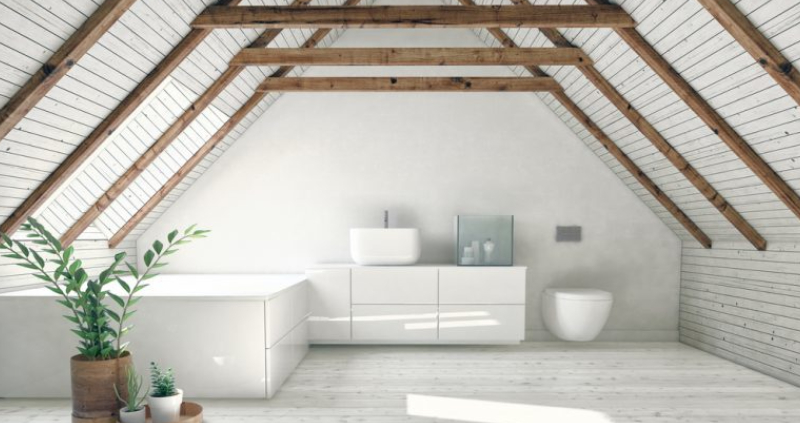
pixel 384 246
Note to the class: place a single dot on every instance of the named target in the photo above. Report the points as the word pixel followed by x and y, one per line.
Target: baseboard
pixel 613 336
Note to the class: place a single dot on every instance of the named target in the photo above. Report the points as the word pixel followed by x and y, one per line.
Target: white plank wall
pixel 744 305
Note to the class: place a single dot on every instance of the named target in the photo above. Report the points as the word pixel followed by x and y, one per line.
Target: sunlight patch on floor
pixel 478 411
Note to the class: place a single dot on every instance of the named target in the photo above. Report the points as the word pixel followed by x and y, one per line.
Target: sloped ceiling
pixel 681 30
pixel 724 74
pixel 30 31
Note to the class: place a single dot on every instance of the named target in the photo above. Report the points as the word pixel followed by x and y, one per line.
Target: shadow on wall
pixel 478 411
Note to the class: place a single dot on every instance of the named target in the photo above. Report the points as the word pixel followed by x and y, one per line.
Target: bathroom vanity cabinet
pixel 416 304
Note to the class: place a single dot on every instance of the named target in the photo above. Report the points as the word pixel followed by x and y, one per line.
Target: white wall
pixel 314 165
pixel 744 305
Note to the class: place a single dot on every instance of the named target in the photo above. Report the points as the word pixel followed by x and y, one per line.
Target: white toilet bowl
pixel 576 314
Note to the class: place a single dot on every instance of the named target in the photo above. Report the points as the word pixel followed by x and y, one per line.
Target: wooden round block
pixel 191 412
pixel 94 420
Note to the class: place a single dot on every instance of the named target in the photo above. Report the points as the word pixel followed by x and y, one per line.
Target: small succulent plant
pixel 135 383
pixel 163 381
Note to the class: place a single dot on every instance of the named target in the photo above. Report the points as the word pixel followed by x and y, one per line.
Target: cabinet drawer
pixel 394 322
pixel 479 323
pixel 284 312
pixel 482 285
pixel 395 285
pixel 329 301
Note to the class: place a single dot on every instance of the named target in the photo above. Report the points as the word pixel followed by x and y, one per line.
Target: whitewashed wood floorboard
pixel 620 382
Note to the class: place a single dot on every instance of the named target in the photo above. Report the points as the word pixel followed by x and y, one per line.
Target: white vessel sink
pixel 384 247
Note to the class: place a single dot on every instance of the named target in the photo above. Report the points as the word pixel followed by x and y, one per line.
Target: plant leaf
pixel 113 315
pixel 38 258
pixel 42 277
pixel 158 246
pixel 6 240
pixel 23 248
pixel 124 285
pixel 189 229
pixel 148 257
pixel 171 236
pixel 133 270
pixel 117 299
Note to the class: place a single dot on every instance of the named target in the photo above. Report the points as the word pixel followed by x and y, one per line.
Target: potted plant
pixel 165 400
pixel 100 317
pixel 134 411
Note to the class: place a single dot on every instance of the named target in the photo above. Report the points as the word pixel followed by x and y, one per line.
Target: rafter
pixel 707 114
pixel 197 108
pixel 759 46
pixel 414 17
pixel 411 57
pixel 661 144
pixel 106 128
pixel 398 84
pixel 60 63
pixel 610 146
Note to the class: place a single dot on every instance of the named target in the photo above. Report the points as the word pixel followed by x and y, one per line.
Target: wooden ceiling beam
pixel 661 144
pixel 411 57
pixel 106 128
pixel 709 115
pixel 754 42
pixel 414 17
pixel 611 147
pixel 402 84
pixel 189 115
pixel 60 63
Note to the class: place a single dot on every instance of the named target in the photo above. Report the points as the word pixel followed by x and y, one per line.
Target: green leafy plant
pixel 163 381
pixel 99 315
pixel 134 383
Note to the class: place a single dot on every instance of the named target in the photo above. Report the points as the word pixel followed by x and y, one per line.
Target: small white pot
pixel 165 409
pixel 132 416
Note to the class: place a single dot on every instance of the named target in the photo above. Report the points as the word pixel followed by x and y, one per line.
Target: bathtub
pixel 226 336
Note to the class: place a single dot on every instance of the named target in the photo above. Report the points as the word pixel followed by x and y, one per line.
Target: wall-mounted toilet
pixel 576 314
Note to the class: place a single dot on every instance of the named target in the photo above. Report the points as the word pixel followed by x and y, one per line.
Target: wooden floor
pixel 535 382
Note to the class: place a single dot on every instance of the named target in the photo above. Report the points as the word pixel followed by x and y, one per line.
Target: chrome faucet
pixel 386 219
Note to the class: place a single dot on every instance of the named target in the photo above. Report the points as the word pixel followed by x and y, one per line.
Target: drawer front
pixel 329 302
pixel 395 285
pixel 284 357
pixel 284 312
pixel 482 285
pixel 482 323
pixel 394 322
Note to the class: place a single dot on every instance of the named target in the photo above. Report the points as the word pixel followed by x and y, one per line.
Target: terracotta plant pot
pixel 139 416
pixel 93 398
pixel 166 409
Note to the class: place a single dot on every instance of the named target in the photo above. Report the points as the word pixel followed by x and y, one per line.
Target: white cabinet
pixel 395 285
pixel 481 323
pixel 482 285
pixel 417 304
pixel 284 356
pixel 329 299
pixel 394 323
